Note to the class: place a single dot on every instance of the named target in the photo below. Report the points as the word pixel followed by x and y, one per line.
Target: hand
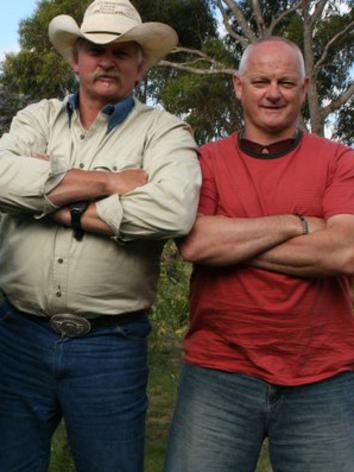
pixel 61 217
pixel 315 224
pixel 126 180
pixel 41 155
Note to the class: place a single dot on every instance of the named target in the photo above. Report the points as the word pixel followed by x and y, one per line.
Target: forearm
pixel 90 221
pixel 79 185
pixel 219 241
pixel 91 185
pixel 329 252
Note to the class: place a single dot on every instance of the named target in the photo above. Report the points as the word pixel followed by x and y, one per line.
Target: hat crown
pixel 110 15
pixel 105 21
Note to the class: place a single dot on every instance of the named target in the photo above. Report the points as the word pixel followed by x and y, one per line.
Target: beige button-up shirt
pixel 44 270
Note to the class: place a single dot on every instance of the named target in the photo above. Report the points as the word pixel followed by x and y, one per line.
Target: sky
pixel 10 18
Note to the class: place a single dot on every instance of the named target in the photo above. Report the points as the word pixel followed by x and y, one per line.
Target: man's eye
pixel 95 51
pixel 259 83
pixel 121 54
pixel 287 84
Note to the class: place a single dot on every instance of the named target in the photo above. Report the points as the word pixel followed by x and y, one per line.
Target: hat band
pixel 103 32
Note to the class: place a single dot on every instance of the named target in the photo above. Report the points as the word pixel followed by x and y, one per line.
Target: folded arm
pixel 329 252
pixel 90 222
pixel 166 206
pixel 162 206
pixel 219 241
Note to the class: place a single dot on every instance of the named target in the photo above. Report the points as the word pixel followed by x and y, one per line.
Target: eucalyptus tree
pixel 323 29
pixel 195 81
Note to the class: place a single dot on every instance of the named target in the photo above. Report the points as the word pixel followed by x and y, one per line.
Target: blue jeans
pixel 222 419
pixel 97 383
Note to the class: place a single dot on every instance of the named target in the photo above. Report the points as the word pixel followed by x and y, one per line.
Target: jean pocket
pixel 135 330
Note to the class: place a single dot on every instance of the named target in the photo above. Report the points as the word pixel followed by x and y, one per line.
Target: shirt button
pixel 82 136
pixel 58 294
pixel 81 165
pixel 115 168
pixel 60 260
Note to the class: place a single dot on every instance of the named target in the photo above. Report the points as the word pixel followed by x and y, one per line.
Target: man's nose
pixel 273 91
pixel 106 60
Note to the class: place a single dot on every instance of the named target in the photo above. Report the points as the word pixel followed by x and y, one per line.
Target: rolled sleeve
pixel 110 211
pixel 25 181
pixel 166 206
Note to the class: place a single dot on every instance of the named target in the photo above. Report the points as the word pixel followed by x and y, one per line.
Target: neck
pixel 89 108
pixel 266 138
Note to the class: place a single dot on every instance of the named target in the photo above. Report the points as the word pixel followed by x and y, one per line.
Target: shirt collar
pixel 271 151
pixel 118 112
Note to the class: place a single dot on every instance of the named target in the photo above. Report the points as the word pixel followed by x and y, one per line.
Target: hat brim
pixel 155 39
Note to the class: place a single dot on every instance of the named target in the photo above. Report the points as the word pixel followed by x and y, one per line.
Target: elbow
pixel 184 221
pixel 188 251
pixel 345 264
pixel 347 268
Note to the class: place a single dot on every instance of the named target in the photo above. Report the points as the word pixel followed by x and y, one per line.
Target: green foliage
pixel 208 103
pixel 10 102
pixel 192 19
pixel 345 123
pixel 170 311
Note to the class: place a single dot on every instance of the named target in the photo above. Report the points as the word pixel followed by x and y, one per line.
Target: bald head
pixel 271 85
pixel 271 44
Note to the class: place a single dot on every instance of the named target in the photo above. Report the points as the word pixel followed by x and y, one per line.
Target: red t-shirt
pixel 283 329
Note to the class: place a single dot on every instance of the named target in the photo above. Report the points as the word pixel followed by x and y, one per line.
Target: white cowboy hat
pixel 113 20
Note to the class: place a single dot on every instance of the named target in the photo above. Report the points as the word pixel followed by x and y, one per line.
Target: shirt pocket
pixel 117 164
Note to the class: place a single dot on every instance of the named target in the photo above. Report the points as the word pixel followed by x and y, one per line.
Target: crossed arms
pixel 274 243
pixel 158 202
pixel 91 185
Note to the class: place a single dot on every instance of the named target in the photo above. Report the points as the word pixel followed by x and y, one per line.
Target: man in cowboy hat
pixel 91 187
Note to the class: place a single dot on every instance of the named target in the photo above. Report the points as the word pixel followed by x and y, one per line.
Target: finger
pixel 39 155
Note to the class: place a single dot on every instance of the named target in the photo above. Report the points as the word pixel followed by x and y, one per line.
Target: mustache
pixel 112 74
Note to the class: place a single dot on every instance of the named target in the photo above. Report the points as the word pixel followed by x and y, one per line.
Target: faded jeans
pixel 222 419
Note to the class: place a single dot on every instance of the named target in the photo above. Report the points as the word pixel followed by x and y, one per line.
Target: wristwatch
pixel 76 211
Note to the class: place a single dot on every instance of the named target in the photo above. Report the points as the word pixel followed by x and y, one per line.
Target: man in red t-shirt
pixel 270 350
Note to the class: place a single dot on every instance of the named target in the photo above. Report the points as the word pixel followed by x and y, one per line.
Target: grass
pixel 164 364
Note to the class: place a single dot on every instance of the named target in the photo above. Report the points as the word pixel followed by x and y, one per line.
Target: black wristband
pixel 304 222
pixel 76 210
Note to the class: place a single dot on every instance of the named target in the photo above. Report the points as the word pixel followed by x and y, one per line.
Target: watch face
pixel 76 210
pixel 79 207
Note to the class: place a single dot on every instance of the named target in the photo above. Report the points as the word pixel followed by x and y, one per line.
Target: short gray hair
pixel 270 39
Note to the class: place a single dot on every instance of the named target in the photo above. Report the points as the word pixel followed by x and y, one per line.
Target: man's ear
pixel 75 67
pixel 306 84
pixel 237 85
pixel 305 87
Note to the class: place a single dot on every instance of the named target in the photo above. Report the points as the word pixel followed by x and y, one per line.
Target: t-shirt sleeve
pixel 208 200
pixel 339 195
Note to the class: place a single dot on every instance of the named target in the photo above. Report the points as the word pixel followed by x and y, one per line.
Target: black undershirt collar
pixel 271 151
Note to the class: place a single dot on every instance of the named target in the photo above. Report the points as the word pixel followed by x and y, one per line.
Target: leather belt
pixel 70 325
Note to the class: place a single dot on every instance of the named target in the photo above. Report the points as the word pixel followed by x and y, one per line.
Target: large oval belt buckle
pixel 70 325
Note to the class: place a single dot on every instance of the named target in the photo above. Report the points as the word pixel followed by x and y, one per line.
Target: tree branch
pixel 226 20
pixel 241 20
pixel 282 15
pixel 318 11
pixel 330 43
pixel 196 70
pixel 200 54
pixel 335 104
pixel 259 18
